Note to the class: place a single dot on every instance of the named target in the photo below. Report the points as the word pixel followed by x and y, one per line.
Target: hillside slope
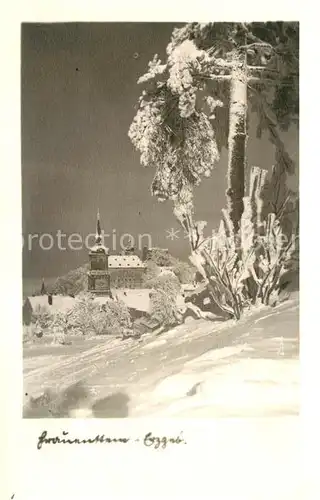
pixel 249 368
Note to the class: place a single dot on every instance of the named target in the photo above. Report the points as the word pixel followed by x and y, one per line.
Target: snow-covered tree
pixel 164 308
pixel 114 318
pixel 59 326
pixel 42 316
pixel 72 283
pixel 196 102
pixel 90 318
pixel 82 315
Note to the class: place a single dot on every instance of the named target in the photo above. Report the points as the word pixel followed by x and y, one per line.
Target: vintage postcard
pixel 160 219
pixel 160 276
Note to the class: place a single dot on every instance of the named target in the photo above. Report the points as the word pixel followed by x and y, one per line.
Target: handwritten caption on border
pixel 148 440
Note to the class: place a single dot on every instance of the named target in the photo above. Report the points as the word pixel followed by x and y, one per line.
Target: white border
pixel 205 462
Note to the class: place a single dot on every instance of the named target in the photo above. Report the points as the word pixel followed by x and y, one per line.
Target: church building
pixel 113 271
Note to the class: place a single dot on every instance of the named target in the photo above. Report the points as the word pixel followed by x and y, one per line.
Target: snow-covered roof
pixel 125 261
pixel 138 299
pixel 99 248
pixel 59 302
pixel 101 299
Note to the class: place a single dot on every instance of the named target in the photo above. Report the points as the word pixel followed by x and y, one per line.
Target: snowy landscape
pixel 249 368
pixel 202 319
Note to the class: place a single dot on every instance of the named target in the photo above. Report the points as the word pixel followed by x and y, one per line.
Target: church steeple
pixel 98 275
pixel 98 231
pixel 98 242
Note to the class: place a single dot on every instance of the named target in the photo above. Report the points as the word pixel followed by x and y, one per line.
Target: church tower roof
pixel 98 246
pixel 98 231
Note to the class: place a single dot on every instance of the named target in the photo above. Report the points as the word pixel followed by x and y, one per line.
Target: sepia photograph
pixel 160 219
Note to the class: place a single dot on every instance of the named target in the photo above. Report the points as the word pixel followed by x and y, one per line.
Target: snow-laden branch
pixel 263 68
pixel 257 44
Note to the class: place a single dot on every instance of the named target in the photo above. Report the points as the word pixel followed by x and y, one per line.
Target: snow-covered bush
pixel 168 283
pixel 42 316
pixel 59 326
pixel 152 272
pixel 81 317
pixel 113 318
pixel 164 307
pixel 88 317
pixel 276 257
pixel 184 272
pixel 241 268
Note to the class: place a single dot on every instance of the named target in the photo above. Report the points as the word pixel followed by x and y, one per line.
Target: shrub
pixel 164 307
pixel 276 257
pixel 89 317
pixel 113 318
pixel 152 272
pixel 42 317
pixel 184 272
pixel 59 326
pixel 160 256
pixel 241 268
pixel 167 283
pixel 82 316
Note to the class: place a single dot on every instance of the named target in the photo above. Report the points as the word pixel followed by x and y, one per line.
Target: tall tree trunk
pixel 237 143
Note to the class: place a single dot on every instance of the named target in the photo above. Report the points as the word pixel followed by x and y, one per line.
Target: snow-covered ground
pixel 199 369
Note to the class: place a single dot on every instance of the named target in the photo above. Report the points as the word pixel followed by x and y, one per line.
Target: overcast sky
pixel 79 93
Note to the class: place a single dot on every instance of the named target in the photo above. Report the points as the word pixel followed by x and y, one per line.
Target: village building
pixel 44 302
pixel 113 271
pixel 108 277
pixel 126 271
